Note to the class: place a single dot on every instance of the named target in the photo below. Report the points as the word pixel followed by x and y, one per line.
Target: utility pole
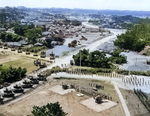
pixel 80 94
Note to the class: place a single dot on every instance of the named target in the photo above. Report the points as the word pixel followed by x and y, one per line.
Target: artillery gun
pixel 27 52
pixel 72 86
pixel 5 46
pixel 99 87
pixel 40 64
pixel 65 86
pixel 13 48
pixel 43 54
pixel 98 99
pixel 19 50
pixel 52 56
pixel 35 53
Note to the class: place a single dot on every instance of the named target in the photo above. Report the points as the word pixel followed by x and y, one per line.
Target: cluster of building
pixel 69 30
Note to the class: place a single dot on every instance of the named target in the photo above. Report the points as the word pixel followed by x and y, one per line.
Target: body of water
pixel 58 50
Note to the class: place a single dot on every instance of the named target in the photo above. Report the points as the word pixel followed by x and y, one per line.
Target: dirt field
pixel 9 58
pixel 132 102
pixel 69 102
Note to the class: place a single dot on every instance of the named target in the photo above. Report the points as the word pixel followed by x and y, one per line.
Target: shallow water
pixel 58 50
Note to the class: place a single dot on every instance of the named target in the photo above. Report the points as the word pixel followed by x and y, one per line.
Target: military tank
pixel 8 93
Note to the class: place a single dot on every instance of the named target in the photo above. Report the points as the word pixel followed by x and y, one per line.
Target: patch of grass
pixel 65 53
pixel 23 62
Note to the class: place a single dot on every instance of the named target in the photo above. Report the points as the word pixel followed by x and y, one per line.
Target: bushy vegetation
pixel 9 37
pixel 21 29
pixel 34 49
pixel 33 34
pixel 134 39
pixel 144 98
pixel 28 31
pixel 52 109
pixel 96 70
pixel 98 59
pixel 9 74
pixel 65 53
pixel 93 59
pixel 117 58
pixel 73 43
pixel 126 72
pixel 55 69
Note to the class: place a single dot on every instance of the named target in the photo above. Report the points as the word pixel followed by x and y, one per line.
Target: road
pixel 91 47
pixel 117 82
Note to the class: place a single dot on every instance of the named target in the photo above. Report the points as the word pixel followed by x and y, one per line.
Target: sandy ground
pixel 90 103
pixel 70 103
pixel 13 55
pixel 7 56
pixel 58 89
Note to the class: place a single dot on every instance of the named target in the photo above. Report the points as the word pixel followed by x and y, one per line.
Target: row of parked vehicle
pixel 9 92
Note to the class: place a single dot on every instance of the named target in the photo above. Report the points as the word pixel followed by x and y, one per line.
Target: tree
pixel 93 59
pixel 9 74
pixel 9 37
pixel 33 34
pixel 84 55
pixel 134 39
pixel 52 109
pixel 117 58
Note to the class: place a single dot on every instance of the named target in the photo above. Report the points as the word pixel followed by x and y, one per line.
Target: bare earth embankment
pixel 134 105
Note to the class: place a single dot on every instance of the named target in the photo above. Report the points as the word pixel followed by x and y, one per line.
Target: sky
pixel 139 5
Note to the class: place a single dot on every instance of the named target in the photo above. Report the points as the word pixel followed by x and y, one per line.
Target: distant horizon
pixel 129 5
pixel 73 8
